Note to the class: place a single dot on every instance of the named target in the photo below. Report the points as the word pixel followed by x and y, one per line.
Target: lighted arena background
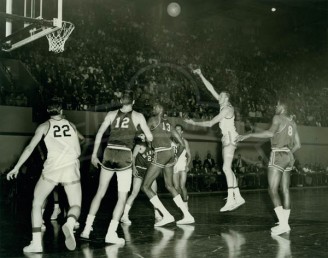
pixel 256 50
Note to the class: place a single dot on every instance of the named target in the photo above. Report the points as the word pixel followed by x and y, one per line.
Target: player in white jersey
pixel 181 167
pixel 61 167
pixel 226 120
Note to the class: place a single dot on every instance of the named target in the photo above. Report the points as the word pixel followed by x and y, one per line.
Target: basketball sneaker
pixel 238 202
pixel 280 229
pixel 189 219
pixel 112 238
pixel 69 237
pixel 33 248
pixel 230 205
pixel 166 220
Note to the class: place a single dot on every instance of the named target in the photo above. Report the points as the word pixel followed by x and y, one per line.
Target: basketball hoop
pixel 58 38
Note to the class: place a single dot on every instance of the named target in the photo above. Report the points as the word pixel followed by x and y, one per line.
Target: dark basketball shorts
pixel 164 157
pixel 283 160
pixel 141 172
pixel 117 158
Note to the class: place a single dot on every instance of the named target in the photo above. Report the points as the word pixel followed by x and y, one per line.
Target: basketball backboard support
pixel 32 20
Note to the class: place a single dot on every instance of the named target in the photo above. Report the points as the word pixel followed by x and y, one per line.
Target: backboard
pixel 28 20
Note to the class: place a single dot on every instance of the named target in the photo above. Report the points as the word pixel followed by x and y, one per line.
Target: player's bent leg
pixel 176 182
pixel 168 178
pixel 74 196
pixel 42 189
pixel 135 191
pixel 157 214
pixel 152 173
pixel 283 226
pixel 123 186
pixel 104 179
pixel 234 199
pixel 182 182
pixel 274 178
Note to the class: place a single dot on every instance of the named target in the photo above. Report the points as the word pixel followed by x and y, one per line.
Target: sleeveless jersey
pixel 62 142
pixel 227 124
pixel 285 137
pixel 162 134
pixel 144 160
pixel 122 130
pixel 178 149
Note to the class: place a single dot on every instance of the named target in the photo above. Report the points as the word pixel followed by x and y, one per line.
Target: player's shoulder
pixel 137 114
pixel 44 127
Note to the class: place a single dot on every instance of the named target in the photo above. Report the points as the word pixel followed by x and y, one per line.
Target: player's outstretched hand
pixel 12 174
pixel 189 121
pixel 197 71
pixel 95 161
pixel 241 138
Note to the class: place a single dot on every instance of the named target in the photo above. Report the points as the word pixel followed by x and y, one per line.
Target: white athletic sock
pixel 230 193
pixel 159 205
pixel 236 192
pixel 56 205
pixel 287 214
pixel 89 222
pixel 126 210
pixel 71 222
pixel 280 214
pixel 112 226
pixel 179 202
pixel 37 237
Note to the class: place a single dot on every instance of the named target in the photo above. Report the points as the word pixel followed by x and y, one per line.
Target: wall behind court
pixel 16 129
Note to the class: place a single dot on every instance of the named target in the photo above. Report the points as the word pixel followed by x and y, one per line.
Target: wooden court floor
pixel 244 232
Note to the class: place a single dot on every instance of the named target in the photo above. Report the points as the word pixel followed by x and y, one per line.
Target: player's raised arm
pixel 107 122
pixel 224 113
pixel 207 84
pixel 40 131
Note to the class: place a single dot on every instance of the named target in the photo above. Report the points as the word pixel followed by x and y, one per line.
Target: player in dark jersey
pixel 142 156
pixel 284 142
pixel 117 158
pixel 164 158
pixel 60 167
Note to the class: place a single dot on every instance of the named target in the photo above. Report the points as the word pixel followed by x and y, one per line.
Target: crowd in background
pixel 113 48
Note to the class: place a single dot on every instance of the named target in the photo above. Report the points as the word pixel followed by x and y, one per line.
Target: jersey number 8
pixel 290 130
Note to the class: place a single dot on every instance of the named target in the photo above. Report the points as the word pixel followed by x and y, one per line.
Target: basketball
pixel 173 9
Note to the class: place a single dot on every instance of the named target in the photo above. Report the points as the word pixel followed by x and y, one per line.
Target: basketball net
pixel 58 38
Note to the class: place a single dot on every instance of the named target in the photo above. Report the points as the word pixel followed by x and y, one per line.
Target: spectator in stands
pixel 209 162
pixel 197 161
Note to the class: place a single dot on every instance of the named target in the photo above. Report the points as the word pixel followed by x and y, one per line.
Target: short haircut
pixel 178 125
pixel 127 97
pixel 54 106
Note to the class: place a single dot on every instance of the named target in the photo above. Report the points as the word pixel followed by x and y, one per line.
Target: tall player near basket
pixel 61 167
pixel 284 142
pixel 226 120
pixel 117 158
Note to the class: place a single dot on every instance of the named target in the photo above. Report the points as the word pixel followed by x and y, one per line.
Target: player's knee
pixel 37 202
pixel 226 169
pixel 145 187
pixel 285 190
pixel 169 187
